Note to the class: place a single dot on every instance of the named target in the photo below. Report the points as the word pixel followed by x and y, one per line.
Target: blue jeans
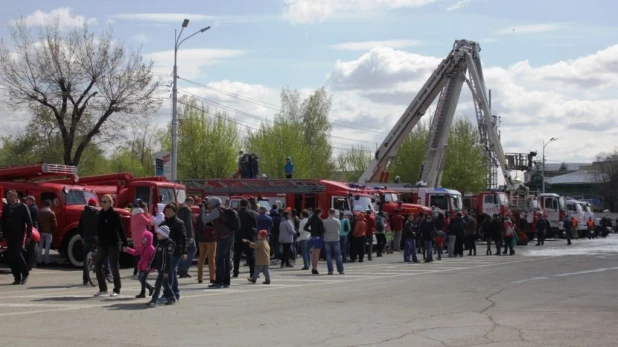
pixel 343 245
pixel 410 249
pixel 331 248
pixel 261 269
pixel 429 253
pixel 223 261
pixel 165 282
pixel 173 280
pixel 304 251
pixel 191 250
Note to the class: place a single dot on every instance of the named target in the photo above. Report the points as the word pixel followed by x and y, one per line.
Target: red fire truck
pixel 388 201
pixel 68 201
pixel 125 188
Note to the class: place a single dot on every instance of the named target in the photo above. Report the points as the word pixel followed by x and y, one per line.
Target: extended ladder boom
pixel 256 186
pixel 377 171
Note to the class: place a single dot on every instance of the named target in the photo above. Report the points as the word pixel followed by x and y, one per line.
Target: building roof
pixel 557 167
pixel 578 177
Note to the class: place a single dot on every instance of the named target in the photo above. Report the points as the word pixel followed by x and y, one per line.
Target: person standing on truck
pixel 186 216
pixel 397 226
pixel 224 234
pixel 47 227
pixel 111 238
pixel 16 225
pixel 289 168
pixel 316 227
pixel 178 235
pixel 248 229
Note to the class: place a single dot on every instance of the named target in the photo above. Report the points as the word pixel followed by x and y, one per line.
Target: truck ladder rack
pixel 36 171
pixel 256 186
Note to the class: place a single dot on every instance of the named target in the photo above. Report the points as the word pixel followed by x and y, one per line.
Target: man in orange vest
pixel 590 225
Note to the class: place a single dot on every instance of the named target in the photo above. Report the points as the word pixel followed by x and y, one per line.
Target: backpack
pixel 232 220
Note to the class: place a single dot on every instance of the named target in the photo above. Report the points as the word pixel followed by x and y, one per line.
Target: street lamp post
pixel 177 44
pixel 544 145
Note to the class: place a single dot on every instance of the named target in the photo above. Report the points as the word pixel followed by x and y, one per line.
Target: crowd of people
pixel 265 238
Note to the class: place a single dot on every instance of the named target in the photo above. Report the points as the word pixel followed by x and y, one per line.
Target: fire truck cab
pixel 438 199
pixel 554 207
pixel 68 201
pixel 388 201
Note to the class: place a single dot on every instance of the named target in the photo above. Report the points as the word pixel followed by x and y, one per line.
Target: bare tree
pixel 90 83
pixel 607 169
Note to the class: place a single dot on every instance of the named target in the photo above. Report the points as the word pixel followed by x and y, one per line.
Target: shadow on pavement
pixel 65 298
pixel 60 287
pixel 128 306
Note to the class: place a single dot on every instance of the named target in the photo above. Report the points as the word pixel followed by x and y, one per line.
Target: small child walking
pixel 145 251
pixel 162 263
pixel 262 257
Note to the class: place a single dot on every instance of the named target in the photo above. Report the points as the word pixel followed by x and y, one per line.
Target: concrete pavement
pixel 550 296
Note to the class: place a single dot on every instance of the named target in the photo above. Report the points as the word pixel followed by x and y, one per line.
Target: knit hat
pixel 164 230
pixel 263 234
pixel 92 202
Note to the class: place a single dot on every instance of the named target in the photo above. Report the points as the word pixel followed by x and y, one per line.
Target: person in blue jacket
pixel 289 168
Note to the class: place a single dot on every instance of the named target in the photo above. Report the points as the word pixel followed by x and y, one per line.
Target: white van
pixel 575 209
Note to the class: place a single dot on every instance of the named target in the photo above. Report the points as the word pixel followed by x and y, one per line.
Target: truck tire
pixel 73 247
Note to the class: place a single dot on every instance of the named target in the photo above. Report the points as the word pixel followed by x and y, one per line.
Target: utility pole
pixel 545 145
pixel 177 44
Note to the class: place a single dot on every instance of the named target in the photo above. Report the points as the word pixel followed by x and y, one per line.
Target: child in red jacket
pixel 145 251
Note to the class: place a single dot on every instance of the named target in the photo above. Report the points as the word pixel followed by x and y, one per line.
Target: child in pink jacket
pixel 145 251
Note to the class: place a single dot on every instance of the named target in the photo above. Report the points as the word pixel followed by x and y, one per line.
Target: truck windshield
pixel 562 203
pixel 391 197
pixel 167 195
pixel 362 204
pixel 456 203
pixel 181 195
pixel 76 197
pixel 503 199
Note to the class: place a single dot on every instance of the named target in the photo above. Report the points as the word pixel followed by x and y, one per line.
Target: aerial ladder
pixel 461 65
pixel 36 172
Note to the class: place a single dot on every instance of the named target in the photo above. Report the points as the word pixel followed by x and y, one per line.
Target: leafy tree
pixel 92 85
pixel 353 162
pixel 407 164
pixel 465 168
pixel 299 131
pixel 136 155
pixel 208 143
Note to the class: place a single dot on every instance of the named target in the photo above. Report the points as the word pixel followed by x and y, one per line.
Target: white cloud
pixel 311 11
pixel 459 4
pixel 191 61
pixel 368 45
pixel 163 17
pixel 571 99
pixel 63 15
pixel 141 38
pixel 531 29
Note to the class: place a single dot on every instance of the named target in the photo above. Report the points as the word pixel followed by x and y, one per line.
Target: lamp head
pixel 204 29
pixel 185 23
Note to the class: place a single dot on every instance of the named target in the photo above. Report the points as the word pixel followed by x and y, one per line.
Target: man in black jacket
pixel 179 237
pixel 186 216
pixel 16 224
pixel 496 230
pixel 248 225
pixel 87 229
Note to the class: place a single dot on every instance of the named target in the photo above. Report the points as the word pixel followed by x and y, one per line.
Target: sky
pixel 552 65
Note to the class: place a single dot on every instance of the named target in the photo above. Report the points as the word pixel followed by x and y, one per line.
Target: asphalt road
pixel 550 296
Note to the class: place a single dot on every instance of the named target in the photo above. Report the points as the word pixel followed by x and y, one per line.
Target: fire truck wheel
pixel 74 249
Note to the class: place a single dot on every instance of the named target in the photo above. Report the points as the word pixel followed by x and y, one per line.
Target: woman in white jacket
pixel 303 240
pixel 286 238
